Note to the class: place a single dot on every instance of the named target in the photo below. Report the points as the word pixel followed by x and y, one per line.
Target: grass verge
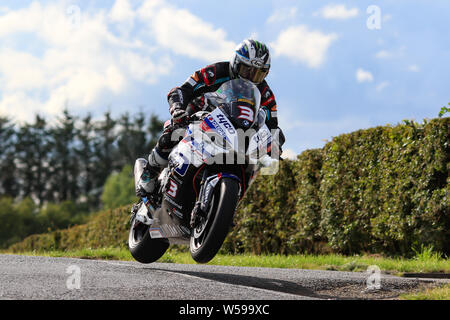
pixel 439 293
pixel 318 262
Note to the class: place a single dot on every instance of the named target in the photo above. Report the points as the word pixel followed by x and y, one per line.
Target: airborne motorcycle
pixel 209 172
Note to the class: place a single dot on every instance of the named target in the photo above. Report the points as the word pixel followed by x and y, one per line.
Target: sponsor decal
pixel 180 95
pixel 204 126
pixel 199 148
pixel 182 165
pixel 178 214
pixel 173 189
pixel 171 230
pixel 257 62
pixel 209 75
pixel 195 77
pixel 247 113
pixel 155 233
pixel 191 81
pixel 223 121
pixel 169 200
pixel 246 101
pixel 185 230
pixel 265 103
pixel 214 125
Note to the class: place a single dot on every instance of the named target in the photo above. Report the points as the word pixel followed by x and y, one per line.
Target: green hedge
pixel 385 189
pixel 265 218
pixel 380 190
pixel 107 229
pixel 281 213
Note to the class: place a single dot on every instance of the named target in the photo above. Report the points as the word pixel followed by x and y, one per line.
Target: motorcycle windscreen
pixel 240 100
pixel 242 113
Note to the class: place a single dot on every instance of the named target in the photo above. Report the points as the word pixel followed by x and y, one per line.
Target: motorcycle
pixel 210 170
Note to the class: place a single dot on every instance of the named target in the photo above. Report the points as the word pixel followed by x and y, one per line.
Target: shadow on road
pixel 276 285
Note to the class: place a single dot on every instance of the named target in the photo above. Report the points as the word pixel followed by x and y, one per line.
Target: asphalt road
pixel 44 278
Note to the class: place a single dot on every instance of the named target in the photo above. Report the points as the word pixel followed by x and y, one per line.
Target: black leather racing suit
pixel 209 79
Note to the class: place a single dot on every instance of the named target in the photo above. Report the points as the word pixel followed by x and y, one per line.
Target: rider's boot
pixel 146 173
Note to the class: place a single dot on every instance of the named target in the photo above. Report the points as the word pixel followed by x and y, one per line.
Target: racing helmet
pixel 251 61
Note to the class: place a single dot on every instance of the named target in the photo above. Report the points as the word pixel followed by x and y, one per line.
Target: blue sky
pixel 331 73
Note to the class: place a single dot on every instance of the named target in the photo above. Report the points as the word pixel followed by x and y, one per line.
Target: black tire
pixel 220 218
pixel 142 247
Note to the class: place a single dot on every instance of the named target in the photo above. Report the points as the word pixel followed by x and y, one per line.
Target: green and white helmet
pixel 251 61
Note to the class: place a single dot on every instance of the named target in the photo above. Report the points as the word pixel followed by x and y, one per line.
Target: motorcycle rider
pixel 251 61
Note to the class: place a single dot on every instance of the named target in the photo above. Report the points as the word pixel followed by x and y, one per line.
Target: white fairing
pixel 209 140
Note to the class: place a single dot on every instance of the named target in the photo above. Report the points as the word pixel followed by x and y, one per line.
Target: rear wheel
pixel 211 232
pixel 142 247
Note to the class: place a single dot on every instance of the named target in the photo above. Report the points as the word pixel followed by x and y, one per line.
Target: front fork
pixel 207 187
pixel 197 211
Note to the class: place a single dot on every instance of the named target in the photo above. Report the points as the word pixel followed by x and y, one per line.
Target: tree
pixel 8 183
pixel 58 215
pixel 33 151
pixel 105 150
pixel 17 220
pixel 132 140
pixel 444 110
pixel 155 127
pixel 119 189
pixel 64 162
pixel 71 158
pixel 86 156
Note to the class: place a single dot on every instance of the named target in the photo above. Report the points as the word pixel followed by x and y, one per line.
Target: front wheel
pixel 142 247
pixel 210 234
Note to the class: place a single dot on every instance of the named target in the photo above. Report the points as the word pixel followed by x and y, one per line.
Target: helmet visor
pixel 254 74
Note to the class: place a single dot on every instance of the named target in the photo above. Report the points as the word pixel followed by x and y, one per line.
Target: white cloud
pixel 253 35
pixel 394 53
pixel 363 76
pixel 22 20
pixel 302 45
pixel 383 54
pixel 289 154
pixel 283 14
pixel 20 70
pixel 82 58
pixel 185 33
pixel 382 86
pixel 122 11
pixel 387 17
pixel 18 104
pixel 414 68
pixel 338 11
pixel 76 64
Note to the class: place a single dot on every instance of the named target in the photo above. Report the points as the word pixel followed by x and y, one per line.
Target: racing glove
pixel 179 115
pixel 278 139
